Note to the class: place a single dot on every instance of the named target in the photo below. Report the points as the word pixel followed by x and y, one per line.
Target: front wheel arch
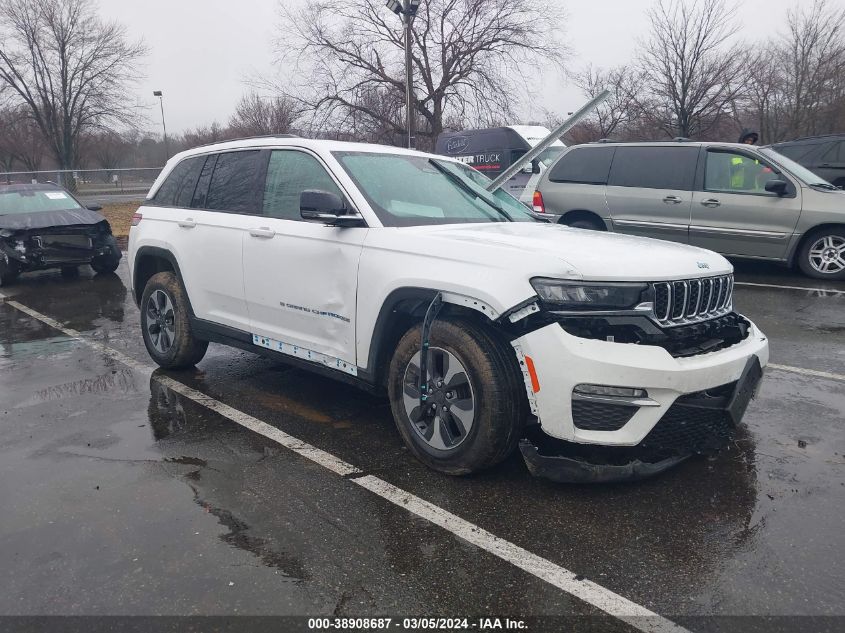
pixel 401 310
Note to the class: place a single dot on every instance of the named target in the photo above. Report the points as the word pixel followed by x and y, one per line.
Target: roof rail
pixel 807 138
pixel 246 138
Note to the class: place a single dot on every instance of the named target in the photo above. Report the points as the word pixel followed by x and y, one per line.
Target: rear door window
pixel 178 188
pixel 658 167
pixel 289 173
pixel 233 183
pixel 586 165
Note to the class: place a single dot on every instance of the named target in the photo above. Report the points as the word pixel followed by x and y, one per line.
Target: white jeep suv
pixel 602 356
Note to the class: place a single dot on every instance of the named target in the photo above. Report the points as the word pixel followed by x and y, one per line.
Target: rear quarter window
pixel 586 165
pixel 178 188
pixel 658 167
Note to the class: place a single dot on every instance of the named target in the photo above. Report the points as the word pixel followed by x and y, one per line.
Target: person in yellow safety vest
pixel 743 174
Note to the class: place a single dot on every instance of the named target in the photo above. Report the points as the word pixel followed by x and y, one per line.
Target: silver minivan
pixel 738 200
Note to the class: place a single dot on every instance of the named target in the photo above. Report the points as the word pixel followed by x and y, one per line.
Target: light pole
pixel 158 93
pixel 407 10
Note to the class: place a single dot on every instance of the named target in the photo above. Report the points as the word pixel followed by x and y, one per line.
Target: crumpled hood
pixel 47 219
pixel 590 254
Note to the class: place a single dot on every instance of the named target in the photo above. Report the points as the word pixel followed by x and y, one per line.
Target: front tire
pixel 822 254
pixel 477 394
pixel 166 326
pixel 9 273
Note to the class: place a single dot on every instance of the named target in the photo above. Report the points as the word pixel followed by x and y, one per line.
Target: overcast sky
pixel 202 50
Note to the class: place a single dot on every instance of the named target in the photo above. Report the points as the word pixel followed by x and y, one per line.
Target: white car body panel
pixel 314 289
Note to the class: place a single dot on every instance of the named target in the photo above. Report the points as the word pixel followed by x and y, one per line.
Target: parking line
pixel 593 594
pixel 807 372
pixel 826 290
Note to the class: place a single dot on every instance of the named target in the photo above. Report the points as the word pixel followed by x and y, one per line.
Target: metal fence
pixel 91 183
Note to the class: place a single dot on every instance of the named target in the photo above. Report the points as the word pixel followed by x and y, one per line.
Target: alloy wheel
pixel 161 322
pixel 447 414
pixel 827 254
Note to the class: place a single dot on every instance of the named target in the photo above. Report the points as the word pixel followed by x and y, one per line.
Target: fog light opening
pixel 605 390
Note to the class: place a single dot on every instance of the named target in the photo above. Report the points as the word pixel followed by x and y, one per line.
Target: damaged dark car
pixel 42 227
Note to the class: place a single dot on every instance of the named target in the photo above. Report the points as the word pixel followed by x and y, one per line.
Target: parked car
pixel 822 155
pixel 42 226
pixel 492 150
pixel 738 200
pixel 349 259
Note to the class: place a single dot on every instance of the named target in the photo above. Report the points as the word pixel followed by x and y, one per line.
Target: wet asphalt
pixel 120 497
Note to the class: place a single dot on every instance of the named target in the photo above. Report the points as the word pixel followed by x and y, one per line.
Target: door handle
pixel 262 231
pixel 187 223
pixel 711 202
pixel 672 200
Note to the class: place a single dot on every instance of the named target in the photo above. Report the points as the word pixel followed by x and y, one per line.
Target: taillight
pixel 539 207
pixel 136 219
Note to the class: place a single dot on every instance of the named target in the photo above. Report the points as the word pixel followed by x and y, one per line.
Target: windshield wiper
pixel 467 189
pixel 824 185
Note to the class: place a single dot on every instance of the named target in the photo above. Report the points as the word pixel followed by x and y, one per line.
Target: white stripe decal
pixel 599 597
pixel 822 290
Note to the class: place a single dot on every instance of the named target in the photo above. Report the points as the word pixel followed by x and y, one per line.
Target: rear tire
pixel 166 326
pixel 481 384
pixel 822 254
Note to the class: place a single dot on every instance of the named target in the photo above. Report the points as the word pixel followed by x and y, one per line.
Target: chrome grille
pixel 692 300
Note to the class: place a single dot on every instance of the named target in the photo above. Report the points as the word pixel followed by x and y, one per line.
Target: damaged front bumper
pixel 42 248
pixel 570 469
pixel 683 405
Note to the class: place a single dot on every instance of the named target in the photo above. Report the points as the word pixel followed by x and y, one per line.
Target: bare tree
pixel 68 68
pixel 797 87
pixel 256 115
pixel 691 72
pixel 108 150
pixel 620 108
pixel 21 140
pixel 467 59
pixel 205 134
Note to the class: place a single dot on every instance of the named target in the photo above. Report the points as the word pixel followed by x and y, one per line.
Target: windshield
pixel 29 201
pixel 802 173
pixel 407 190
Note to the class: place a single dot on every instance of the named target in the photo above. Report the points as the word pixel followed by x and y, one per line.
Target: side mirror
pixel 326 207
pixel 94 207
pixel 777 186
pixel 535 166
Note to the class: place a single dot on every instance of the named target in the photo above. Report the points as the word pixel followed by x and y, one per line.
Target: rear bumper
pixel 562 361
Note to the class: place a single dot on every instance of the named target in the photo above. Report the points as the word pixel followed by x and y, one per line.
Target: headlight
pixel 575 295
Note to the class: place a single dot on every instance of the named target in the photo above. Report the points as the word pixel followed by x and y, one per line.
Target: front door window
pixel 733 172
